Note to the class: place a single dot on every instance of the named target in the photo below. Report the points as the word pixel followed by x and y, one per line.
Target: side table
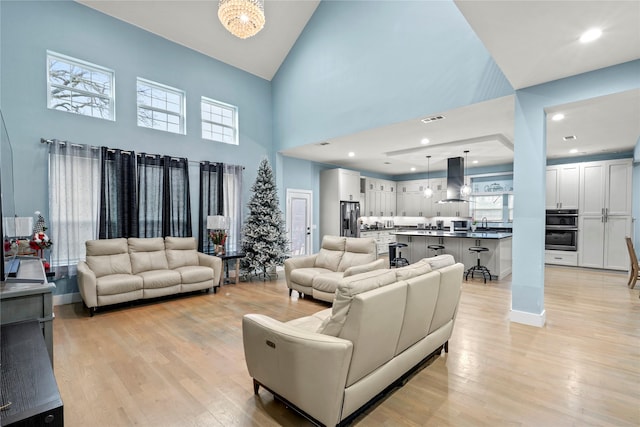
pixel 227 256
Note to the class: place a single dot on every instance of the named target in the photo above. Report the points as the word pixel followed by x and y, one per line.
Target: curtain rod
pixel 52 141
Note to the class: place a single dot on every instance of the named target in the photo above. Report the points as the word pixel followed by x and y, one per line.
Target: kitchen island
pixel 497 259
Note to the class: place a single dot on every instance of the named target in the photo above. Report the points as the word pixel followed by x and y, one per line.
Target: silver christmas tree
pixel 263 235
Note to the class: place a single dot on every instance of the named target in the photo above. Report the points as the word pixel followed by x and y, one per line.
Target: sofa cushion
pixel 358 251
pixel 114 284
pixel 329 259
pixel 108 256
pixel 440 261
pixel 347 289
pixel 331 251
pixel 147 254
pixel 304 276
pixel 327 282
pixel 195 274
pixel 181 251
pixel 154 279
pixel 310 323
pixel 413 270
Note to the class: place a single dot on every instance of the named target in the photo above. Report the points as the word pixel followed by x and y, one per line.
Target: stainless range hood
pixel 455 180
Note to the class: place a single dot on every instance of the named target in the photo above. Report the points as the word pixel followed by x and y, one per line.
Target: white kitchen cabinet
pixel 569 258
pixel 380 197
pixel 605 187
pixel 601 243
pixel 348 184
pixel 605 214
pixel 563 186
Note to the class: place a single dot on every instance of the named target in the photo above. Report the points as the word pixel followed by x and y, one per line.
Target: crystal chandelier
pixel 242 18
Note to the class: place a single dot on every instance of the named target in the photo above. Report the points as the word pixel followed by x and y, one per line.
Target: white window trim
pixel 236 124
pixel 94 67
pixel 183 110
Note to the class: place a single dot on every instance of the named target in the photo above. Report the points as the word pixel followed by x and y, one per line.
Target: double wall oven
pixel 561 232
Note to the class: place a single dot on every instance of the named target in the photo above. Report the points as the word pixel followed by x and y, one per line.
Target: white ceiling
pixel 195 24
pixel 532 42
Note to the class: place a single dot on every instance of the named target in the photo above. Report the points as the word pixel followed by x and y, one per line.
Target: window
pixel 79 87
pixel 160 107
pixel 219 121
pixel 492 197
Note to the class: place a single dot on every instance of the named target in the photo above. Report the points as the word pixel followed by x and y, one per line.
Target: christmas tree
pixel 263 234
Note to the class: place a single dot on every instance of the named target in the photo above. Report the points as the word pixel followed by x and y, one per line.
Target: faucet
pixel 484 223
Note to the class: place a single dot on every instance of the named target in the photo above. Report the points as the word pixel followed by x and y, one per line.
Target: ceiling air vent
pixel 432 119
pixel 324 143
pixel 569 138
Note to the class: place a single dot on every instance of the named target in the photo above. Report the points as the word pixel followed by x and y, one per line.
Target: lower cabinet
pixel 382 238
pixel 497 259
pixel 569 258
pixel 601 242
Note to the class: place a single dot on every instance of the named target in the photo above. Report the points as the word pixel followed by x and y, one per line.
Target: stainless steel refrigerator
pixel 349 214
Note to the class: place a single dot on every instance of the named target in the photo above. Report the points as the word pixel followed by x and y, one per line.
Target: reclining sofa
pixel 318 275
pixel 122 270
pixel 383 325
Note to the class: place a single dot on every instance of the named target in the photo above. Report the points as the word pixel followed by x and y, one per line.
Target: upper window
pixel 219 121
pixel 80 87
pixel 160 107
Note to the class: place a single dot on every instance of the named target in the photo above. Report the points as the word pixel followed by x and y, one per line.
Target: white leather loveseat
pixel 318 275
pixel 121 270
pixel 382 325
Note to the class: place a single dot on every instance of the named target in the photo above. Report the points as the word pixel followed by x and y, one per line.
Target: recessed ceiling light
pixel 351 154
pixel 590 35
pixel 475 162
pixel 424 141
pixel 557 117
pixel 570 138
pixel 573 151
pixel 413 169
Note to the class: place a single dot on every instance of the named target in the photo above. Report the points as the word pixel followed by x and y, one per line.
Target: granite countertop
pixel 458 234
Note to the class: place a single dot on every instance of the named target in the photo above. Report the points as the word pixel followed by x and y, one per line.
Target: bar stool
pixel 435 248
pixel 478 268
pixel 397 261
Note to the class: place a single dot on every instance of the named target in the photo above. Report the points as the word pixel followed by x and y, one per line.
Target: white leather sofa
pixel 121 270
pixel 382 326
pixel 318 275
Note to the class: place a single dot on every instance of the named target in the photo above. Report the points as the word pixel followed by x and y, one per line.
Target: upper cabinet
pixel 605 187
pixel 348 184
pixel 380 197
pixel 563 184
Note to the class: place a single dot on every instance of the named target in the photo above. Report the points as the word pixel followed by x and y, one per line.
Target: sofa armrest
pixel 357 269
pixel 213 262
pixel 306 368
pixel 291 264
pixel 87 285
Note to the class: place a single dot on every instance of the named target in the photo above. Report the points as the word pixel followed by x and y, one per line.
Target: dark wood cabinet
pixel 30 395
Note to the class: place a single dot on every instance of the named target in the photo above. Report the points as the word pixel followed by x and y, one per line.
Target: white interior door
pixel 298 217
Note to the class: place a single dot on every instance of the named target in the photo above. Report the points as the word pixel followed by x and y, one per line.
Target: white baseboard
pixel 530 319
pixel 66 298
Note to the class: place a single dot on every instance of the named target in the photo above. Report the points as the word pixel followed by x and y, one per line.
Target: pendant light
pixel 428 192
pixel 465 190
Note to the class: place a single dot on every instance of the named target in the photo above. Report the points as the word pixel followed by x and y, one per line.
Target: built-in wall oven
pixel 561 232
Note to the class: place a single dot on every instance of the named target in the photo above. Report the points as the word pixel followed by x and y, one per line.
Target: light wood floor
pixel 180 362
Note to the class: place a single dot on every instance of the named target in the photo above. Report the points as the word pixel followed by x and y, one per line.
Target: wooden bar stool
pixel 478 268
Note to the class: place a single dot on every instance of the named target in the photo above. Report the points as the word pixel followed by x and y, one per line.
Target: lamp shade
pixel 217 222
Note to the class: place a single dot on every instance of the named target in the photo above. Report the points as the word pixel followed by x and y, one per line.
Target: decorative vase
pixel 219 249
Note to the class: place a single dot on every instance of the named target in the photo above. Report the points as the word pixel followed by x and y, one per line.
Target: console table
pixel 29 297
pixel 29 392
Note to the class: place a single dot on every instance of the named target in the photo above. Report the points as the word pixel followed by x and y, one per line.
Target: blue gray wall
pixel 30 28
